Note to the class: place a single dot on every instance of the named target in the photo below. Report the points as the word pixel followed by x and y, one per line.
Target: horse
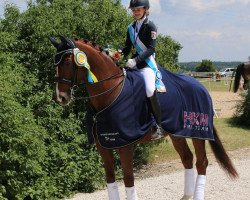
pixel 242 70
pixel 104 81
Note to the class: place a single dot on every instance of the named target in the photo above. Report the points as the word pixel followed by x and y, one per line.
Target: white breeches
pixel 149 79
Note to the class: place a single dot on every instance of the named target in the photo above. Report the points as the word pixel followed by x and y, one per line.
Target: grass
pixel 223 85
pixel 231 136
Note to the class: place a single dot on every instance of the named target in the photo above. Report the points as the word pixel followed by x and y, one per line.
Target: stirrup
pixel 160 87
pixel 158 133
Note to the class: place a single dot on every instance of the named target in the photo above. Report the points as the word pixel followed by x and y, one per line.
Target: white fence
pixel 204 74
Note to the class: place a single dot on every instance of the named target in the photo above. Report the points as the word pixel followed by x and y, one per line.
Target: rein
pixel 123 73
pixel 100 94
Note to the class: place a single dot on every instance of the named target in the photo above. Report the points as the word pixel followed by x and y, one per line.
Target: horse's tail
pixel 221 156
pixel 237 77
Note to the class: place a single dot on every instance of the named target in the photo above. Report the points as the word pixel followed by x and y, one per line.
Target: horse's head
pixel 78 63
pixel 65 69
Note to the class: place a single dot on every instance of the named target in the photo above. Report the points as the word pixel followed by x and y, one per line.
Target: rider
pixel 141 37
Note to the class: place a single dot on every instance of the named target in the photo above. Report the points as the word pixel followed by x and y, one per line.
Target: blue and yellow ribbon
pixel 81 61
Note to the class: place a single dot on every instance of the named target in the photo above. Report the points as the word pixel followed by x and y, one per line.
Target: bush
pixel 242 115
pixel 38 151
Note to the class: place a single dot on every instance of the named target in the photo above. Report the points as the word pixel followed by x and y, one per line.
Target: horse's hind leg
pixel 201 165
pixel 126 157
pixel 181 146
pixel 108 161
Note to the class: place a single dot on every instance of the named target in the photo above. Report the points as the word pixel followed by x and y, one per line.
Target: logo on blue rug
pixel 110 137
pixel 196 121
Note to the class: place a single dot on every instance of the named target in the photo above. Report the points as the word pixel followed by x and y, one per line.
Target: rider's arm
pixel 128 45
pixel 150 34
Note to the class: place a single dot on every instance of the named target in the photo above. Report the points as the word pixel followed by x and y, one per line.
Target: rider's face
pixel 138 12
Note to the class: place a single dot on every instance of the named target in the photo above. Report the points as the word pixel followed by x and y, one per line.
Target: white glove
pixel 131 63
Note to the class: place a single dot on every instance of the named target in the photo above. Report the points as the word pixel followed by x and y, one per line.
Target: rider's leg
pixel 149 79
pixel 156 111
pixel 155 106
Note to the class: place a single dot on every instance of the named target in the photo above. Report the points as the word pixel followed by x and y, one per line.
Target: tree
pixel 41 143
pixel 205 66
pixel 167 51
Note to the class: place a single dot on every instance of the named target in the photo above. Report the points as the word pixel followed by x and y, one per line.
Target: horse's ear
pixel 63 39
pixel 54 42
pixel 66 41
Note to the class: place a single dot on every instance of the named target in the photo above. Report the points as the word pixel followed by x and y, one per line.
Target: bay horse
pixel 242 70
pixel 103 80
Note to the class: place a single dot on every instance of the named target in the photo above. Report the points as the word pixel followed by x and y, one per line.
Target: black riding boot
pixel 156 111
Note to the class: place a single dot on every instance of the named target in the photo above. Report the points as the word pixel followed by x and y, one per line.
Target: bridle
pixel 74 82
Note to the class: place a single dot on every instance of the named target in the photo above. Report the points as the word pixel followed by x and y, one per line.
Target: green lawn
pixel 232 138
pixel 223 85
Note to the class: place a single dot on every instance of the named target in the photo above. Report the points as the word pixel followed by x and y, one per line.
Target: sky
pixel 217 30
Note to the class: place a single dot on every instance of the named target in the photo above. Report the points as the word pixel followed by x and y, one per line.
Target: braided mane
pixel 98 48
pixel 90 43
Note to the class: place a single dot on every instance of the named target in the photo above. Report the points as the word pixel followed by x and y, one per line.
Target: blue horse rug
pixel 187 111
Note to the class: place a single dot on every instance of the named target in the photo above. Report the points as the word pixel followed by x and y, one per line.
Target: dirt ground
pixel 224 103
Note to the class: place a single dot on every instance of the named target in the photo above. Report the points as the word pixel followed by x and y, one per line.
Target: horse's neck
pixel 103 68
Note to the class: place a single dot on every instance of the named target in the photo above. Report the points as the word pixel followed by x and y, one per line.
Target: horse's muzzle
pixel 63 98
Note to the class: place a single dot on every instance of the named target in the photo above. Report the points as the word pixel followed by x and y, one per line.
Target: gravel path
pixel 168 183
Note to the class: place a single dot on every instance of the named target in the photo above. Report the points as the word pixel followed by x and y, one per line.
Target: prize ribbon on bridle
pixel 81 61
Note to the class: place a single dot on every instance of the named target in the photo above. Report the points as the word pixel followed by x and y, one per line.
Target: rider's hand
pixel 131 63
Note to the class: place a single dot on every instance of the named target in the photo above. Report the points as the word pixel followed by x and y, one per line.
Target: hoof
pixel 187 197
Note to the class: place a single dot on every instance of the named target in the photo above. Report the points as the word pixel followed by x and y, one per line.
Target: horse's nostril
pixel 63 99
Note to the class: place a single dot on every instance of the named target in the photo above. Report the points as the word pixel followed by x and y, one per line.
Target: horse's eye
pixel 67 60
pixel 60 57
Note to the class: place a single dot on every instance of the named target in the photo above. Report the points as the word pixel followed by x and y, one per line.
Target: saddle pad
pixel 187 109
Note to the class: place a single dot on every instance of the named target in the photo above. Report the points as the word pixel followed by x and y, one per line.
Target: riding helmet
pixel 139 3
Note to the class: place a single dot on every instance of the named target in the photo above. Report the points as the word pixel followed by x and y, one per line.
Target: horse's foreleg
pixel 181 146
pixel 201 165
pixel 108 161
pixel 126 157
